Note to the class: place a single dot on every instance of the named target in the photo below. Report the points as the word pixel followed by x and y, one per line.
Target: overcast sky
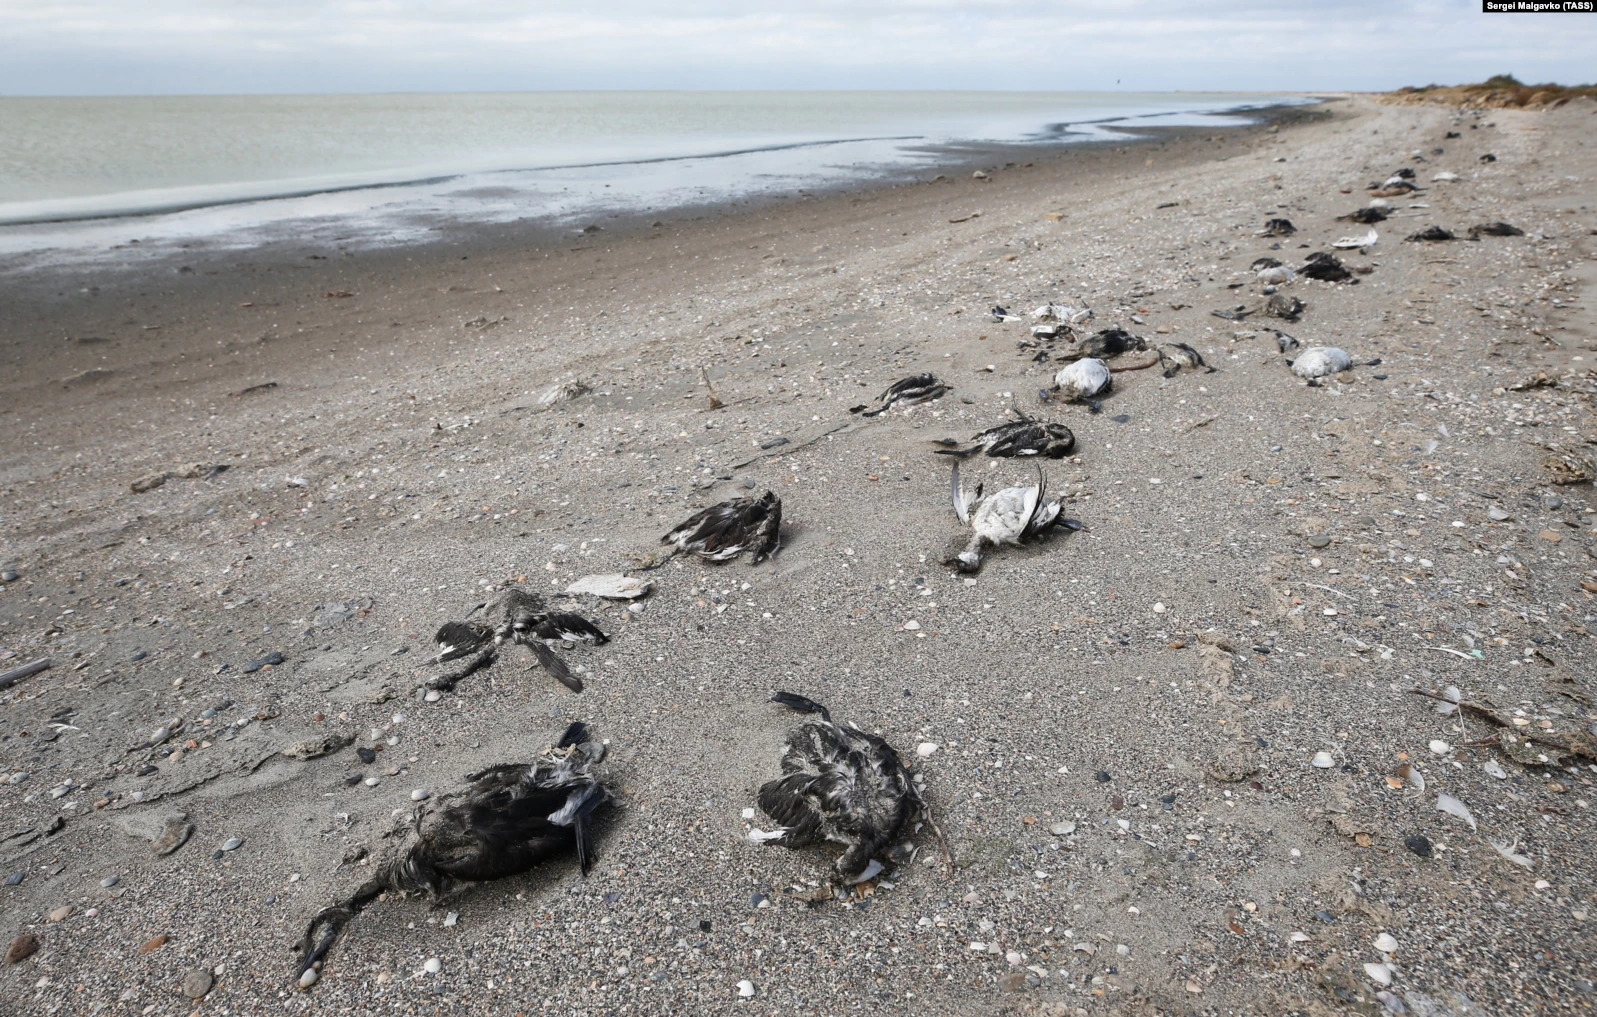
pixel 53 47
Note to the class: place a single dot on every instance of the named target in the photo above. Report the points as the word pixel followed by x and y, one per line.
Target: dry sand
pixel 1157 686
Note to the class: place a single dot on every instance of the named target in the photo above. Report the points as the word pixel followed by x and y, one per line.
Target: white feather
pixel 1083 379
pixel 1366 240
pixel 1453 807
pixel 1320 361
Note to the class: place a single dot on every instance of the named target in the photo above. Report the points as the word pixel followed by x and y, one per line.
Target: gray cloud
pixel 97 46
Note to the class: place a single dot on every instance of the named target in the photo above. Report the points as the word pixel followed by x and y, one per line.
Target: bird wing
pixel 767 535
pixel 551 662
pixel 962 499
pixel 572 628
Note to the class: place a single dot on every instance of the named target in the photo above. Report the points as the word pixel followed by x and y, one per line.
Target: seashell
pixel 612 586
pixel 1386 943
pixel 1380 973
pixel 746 989
pixel 309 978
pixel 1323 760
pixel 1440 747
pixel 925 749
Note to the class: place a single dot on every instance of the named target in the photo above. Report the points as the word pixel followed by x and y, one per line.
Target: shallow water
pixel 385 168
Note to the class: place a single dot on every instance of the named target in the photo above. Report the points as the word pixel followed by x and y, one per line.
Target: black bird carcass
pixel 842 785
pixel 1015 438
pixel 917 388
pixel 725 530
pixel 508 819
pixel 517 616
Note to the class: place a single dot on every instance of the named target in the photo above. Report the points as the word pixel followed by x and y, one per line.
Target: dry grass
pixel 1500 91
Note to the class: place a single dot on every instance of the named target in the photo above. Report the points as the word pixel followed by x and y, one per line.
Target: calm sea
pixel 87 173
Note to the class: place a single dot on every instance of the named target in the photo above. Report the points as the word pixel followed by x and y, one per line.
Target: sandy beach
pixel 338 449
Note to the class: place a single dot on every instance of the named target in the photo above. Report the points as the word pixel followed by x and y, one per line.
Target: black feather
pixel 726 530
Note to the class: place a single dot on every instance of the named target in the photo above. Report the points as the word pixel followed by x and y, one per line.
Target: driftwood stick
pixel 16 674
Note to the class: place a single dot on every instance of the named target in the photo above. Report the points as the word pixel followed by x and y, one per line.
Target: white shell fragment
pixel 746 989
pixel 925 749
pixel 612 586
pixel 1386 943
pixel 309 978
pixel 1444 177
pixel 433 965
pixel 1450 706
pixel 1440 747
pixel 1453 807
pixel 1379 973
pixel 1494 769
pixel 1321 362
pixel 1348 243
pixel 1323 759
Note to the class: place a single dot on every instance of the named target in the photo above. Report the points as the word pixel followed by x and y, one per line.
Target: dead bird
pixel 1278 228
pixel 917 388
pixel 1276 275
pixel 1063 314
pixel 1001 314
pixel 1284 307
pixel 1109 342
pixel 1009 516
pixel 514 616
pixel 1083 380
pixel 1326 267
pixel 507 820
pixel 1173 357
pixel 726 530
pixel 1365 216
pixel 1431 235
pixel 1317 362
pixel 1016 438
pixel 1494 229
pixel 1260 264
pixel 845 786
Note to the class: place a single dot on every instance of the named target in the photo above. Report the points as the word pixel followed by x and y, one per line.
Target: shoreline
pixel 1126 719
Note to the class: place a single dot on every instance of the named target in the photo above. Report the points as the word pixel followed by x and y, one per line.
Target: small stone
pixel 1498 515
pixel 15 878
pixel 366 755
pixel 109 881
pixel 1319 540
pixel 1158 609
pixel 419 795
pixel 270 660
pixel 154 943
pixel 1419 844
pixel 433 966
pixel 1323 759
pixel 61 914
pixel 9 576
pixel 232 844
pixel 450 919
pixel 911 625
pixel 1103 777
pixel 1551 536
pixel 19 777
pixel 174 833
pixel 433 695
pixel 372 782
pixel 308 978
pixel 197 982
pixel 746 989
pixel 21 948
pixel 1552 502
pixel 1062 829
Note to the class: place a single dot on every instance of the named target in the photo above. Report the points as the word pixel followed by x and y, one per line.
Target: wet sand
pixel 1125 718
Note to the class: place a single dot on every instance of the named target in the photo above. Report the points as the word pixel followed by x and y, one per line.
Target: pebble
pixel 746 989
pixel 433 696
pixel 308 978
pixel 21 948
pixel 232 844
pixel 1419 844
pixel 19 777
pixel 1323 760
pixel 366 755
pixel 9 576
pixel 419 795
pixel 153 944
pixel 1063 829
pixel 1103 777
pixel 433 965
pixel 372 782
pixel 1498 515
pixel 15 878
pixel 911 625
pixel 61 914
pixel 174 834
pixel 109 881
pixel 1552 502
pixel 270 660
pixel 450 919
pixel 1319 540
pixel 197 982
pixel 1158 609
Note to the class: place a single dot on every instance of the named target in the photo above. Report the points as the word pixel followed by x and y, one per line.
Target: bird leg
pixel 445 682
pixel 650 562
pixel 329 922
